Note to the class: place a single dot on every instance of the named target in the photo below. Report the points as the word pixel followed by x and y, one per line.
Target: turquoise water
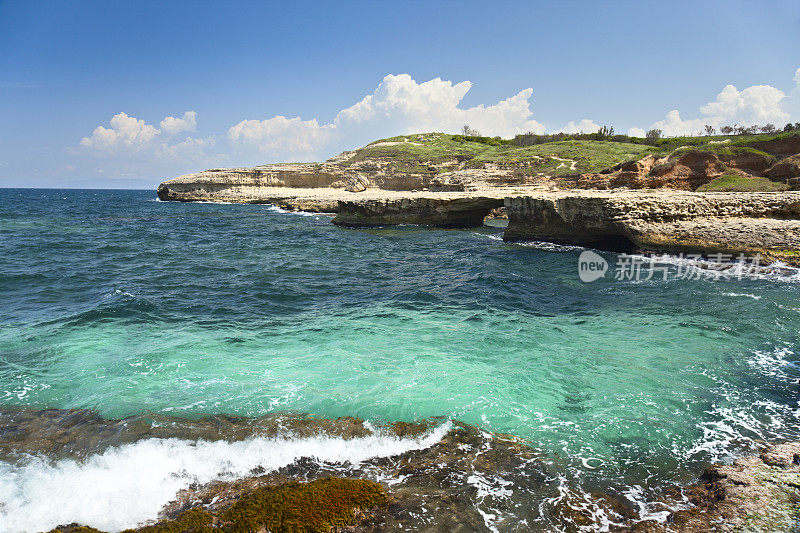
pixel 116 302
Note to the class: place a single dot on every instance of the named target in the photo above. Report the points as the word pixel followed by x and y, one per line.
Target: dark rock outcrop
pixel 467 211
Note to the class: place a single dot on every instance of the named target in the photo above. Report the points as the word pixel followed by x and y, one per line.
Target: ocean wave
pixel 127 485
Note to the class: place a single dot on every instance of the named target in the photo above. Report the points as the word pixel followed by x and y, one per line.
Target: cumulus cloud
pixel 124 131
pixel 636 132
pixel 172 125
pixel 757 104
pixel 130 132
pixel 405 106
pixel 136 147
pixel 584 126
pixel 189 149
pixel 399 105
pixel 792 102
pixel 281 137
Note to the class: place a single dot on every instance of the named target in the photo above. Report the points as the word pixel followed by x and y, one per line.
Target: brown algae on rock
pixel 315 507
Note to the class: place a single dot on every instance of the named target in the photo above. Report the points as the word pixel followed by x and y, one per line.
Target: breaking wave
pixel 127 485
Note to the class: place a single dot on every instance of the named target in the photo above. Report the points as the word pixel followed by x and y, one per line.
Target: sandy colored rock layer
pixel 749 223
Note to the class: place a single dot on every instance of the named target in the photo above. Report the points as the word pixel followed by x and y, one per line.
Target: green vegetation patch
pixel 412 153
pixel 732 182
pixel 667 144
pixel 589 156
pixel 541 153
pixel 729 150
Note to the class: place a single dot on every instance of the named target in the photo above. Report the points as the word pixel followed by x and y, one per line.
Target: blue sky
pixel 345 73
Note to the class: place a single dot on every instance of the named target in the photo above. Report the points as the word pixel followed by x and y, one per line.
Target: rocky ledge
pixel 466 211
pixel 674 221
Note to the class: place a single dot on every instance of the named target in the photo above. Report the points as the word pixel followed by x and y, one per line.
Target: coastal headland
pixel 692 195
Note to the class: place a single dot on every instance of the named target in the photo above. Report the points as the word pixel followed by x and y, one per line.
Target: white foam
pixel 129 484
pixel 549 246
pixel 742 295
pixel 277 209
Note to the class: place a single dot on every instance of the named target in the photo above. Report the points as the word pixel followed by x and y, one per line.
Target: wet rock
pixel 756 493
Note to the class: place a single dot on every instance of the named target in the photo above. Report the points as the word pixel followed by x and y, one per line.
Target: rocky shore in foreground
pixel 450 477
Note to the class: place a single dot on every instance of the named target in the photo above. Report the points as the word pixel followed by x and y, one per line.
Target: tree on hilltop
pixel 653 135
pixel 466 131
pixel 605 132
pixel 709 130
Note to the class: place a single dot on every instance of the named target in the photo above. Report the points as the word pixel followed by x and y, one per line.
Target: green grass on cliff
pixel 417 151
pixel 732 182
pixel 440 152
pixel 668 144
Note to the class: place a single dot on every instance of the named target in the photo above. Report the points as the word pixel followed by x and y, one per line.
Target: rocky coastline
pixel 450 484
pixel 654 203
pixel 670 221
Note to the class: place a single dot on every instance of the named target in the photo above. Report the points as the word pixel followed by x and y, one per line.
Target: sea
pixel 130 326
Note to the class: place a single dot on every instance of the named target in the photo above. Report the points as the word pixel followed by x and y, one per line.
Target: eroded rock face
pixel 243 183
pixel 687 171
pixel 785 170
pixel 766 223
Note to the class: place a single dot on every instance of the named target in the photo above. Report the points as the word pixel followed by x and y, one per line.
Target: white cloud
pixel 399 105
pixel 135 148
pixel 124 131
pixel 636 132
pixel 792 102
pixel 189 149
pixel 584 126
pixel 757 104
pixel 172 125
pixel 128 132
pixel 281 137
